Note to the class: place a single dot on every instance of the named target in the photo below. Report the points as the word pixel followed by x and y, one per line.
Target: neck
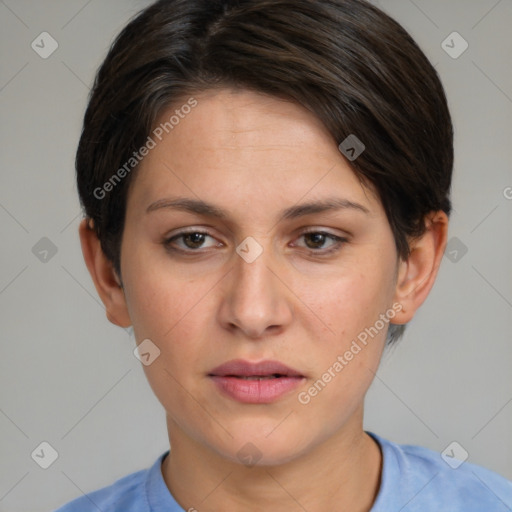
pixel 342 473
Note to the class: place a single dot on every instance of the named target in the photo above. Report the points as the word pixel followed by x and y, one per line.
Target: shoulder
pixel 125 495
pixel 417 478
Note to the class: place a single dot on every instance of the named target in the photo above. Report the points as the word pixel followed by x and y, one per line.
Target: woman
pixel 266 194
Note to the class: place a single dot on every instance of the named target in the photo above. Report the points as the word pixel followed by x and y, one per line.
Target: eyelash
pixel 167 242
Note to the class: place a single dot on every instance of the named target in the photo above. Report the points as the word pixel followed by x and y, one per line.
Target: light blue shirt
pixel 414 479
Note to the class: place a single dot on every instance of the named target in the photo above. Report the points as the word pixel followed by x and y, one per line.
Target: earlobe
pixel 417 274
pixel 107 282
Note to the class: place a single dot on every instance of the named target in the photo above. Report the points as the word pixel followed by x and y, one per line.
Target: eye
pixel 190 241
pixel 315 241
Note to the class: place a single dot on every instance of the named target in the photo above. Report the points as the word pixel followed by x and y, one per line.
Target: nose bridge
pixel 252 274
pixel 255 299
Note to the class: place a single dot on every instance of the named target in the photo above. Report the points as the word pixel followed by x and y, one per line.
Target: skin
pixel 253 156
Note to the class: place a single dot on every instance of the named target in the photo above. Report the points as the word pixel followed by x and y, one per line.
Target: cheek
pixel 161 297
pixel 352 347
pixel 350 303
pixel 173 317
pixel 175 313
pixel 346 361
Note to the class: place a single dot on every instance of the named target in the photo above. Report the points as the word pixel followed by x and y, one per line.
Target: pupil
pixel 196 238
pixel 318 239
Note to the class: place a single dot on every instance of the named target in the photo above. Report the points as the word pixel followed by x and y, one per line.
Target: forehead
pixel 246 148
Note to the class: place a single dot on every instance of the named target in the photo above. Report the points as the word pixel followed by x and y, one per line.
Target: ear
pixel 105 278
pixel 417 274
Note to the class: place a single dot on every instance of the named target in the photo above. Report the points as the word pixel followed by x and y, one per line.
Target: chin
pixel 261 445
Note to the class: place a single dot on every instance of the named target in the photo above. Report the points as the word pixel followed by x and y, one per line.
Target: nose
pixel 256 300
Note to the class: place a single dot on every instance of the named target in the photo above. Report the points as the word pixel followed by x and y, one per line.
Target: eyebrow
pixel 200 207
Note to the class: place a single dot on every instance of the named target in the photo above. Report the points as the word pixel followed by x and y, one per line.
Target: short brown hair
pixel 346 61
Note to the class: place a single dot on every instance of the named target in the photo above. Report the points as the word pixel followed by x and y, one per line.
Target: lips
pixel 247 370
pixel 255 383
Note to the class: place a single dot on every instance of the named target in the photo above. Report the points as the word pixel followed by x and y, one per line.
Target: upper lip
pixel 241 368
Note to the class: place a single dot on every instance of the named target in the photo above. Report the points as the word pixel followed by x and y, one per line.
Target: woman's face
pixel 308 281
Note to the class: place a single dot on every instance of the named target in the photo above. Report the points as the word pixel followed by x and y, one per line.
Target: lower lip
pixel 256 391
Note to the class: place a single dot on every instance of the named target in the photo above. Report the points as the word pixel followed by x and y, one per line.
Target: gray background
pixel 70 378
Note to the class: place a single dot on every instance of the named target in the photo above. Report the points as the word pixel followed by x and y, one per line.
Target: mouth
pixel 254 377
pixel 255 383
pixel 246 370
